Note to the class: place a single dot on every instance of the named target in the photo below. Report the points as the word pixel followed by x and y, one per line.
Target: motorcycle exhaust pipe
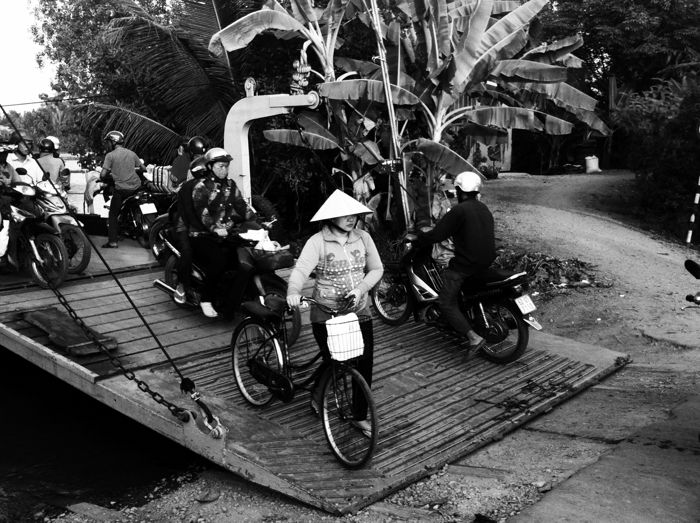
pixel 160 284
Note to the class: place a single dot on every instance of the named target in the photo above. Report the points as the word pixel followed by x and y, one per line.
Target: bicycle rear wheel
pixel 253 344
pixel 343 388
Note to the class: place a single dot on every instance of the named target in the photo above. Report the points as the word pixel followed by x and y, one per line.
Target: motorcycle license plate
pixel 525 304
pixel 148 208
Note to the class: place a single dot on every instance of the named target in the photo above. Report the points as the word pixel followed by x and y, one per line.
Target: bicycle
pixel 263 371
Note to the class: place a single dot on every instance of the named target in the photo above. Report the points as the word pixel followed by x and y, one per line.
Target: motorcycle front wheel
pixel 391 299
pixel 52 269
pixel 78 247
pixel 507 333
pixel 143 227
pixel 156 239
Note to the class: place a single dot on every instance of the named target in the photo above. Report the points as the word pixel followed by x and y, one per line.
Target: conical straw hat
pixel 339 204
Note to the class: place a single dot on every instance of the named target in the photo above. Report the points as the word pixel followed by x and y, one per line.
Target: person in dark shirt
pixel 219 211
pixel 470 225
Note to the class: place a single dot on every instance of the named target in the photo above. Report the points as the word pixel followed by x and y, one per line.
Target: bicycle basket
pixel 345 337
pixel 273 260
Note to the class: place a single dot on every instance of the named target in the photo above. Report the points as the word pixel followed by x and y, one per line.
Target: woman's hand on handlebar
pixel 294 301
pixel 353 297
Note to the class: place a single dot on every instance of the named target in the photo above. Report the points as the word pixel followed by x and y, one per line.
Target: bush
pixel 664 150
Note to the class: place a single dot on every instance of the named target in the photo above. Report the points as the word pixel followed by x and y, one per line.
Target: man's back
pixel 122 164
pixel 51 165
pixel 470 224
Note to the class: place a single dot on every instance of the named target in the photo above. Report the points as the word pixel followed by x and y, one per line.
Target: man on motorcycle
pixel 51 165
pixel 196 148
pixel 125 169
pixel 7 172
pixel 219 210
pixel 22 157
pixel 470 225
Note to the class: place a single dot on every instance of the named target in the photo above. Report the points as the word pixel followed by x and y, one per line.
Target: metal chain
pixel 179 412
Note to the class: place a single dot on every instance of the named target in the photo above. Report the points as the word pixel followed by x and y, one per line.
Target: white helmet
pixel 339 204
pixel 468 181
pixel 55 141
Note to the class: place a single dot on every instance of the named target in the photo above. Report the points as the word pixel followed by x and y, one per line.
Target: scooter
pixel 495 303
pixel 139 211
pixel 50 200
pixel 263 285
pixel 37 245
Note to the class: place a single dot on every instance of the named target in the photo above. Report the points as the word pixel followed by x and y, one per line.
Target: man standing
pixel 470 225
pixel 125 168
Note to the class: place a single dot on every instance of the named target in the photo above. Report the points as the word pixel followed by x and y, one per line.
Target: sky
pixel 23 80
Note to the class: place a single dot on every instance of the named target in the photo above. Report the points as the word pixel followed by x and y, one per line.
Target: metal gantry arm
pixel 238 123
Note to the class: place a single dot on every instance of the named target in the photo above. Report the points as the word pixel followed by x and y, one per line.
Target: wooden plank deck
pixel 435 402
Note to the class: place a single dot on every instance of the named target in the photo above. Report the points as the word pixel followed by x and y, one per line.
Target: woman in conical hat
pixel 347 265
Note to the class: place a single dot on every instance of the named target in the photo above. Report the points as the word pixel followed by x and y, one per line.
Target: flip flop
pixel 110 246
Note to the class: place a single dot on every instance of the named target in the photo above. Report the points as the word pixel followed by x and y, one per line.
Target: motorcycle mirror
pixel 21 171
pixel 693 268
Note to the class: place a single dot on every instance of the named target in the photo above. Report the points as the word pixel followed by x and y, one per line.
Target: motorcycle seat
pixel 493 278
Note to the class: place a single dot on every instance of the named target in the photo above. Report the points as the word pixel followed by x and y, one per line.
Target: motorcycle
pixel 50 200
pixel 263 284
pixel 38 247
pixel 139 211
pixel 495 303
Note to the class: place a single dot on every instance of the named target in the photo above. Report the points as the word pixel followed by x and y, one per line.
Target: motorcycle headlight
pixel 24 189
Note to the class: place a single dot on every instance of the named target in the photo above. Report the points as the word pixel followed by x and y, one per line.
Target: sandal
pixel 363 426
pixel 110 246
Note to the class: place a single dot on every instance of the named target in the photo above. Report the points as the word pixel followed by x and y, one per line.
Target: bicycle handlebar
pixel 329 310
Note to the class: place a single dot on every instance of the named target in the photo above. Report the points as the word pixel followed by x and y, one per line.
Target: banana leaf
pixel 557 52
pixel 367 151
pixel 365 89
pixel 440 155
pixel 562 94
pixel 518 118
pixel 527 70
pixel 300 139
pixel 241 32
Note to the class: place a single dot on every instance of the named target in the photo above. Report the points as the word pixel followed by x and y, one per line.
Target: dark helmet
pixel 197 167
pixel 196 146
pixel 217 154
pixel 46 146
pixel 115 137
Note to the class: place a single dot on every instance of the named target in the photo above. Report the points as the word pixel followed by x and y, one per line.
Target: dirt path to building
pixel 638 311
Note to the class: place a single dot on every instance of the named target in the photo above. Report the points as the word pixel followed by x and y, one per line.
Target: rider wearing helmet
pixel 470 225
pixel 125 169
pixel 218 208
pixel 347 265
pixel 50 164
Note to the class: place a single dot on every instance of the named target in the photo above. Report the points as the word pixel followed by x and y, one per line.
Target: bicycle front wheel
pixel 254 348
pixel 351 434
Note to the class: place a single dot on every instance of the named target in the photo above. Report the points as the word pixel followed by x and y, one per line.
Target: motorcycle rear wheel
pixel 52 272
pixel 391 299
pixel 507 336
pixel 78 247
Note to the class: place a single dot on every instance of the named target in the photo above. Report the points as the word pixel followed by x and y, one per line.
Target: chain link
pixel 175 410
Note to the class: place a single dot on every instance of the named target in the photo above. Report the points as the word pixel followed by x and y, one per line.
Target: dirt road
pixel 575 216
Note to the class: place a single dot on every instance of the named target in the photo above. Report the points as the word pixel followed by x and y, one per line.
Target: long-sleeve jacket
pixel 339 269
pixel 218 204
pixel 470 225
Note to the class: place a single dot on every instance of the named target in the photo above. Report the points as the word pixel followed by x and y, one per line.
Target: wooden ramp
pixel 435 402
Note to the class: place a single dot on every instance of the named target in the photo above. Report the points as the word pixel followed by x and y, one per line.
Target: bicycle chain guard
pixel 280 385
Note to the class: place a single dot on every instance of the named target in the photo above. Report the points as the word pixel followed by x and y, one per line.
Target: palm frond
pixel 145 136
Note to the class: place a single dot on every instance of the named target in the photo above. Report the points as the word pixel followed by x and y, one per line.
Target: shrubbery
pixel 663 149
